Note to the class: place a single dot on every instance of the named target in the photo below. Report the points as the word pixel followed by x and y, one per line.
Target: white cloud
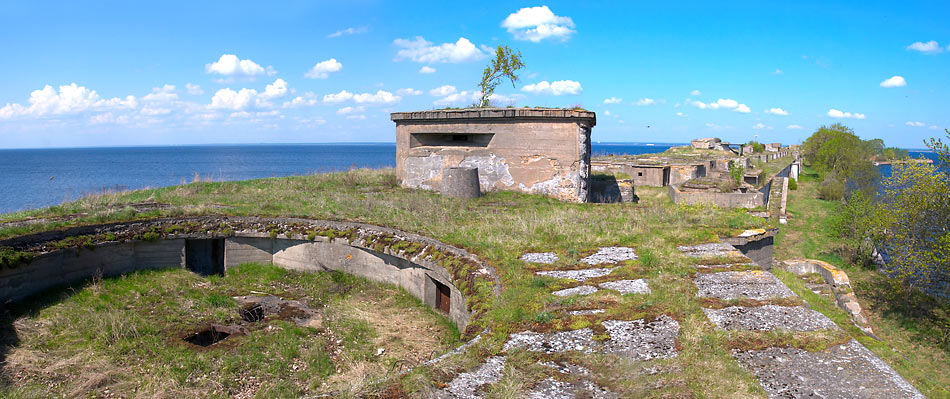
pixel 108 117
pixel 277 89
pixel 612 100
pixel 408 92
pixel 932 127
pixel 839 114
pixel 69 99
pixel 930 47
pixel 776 111
pixel 714 126
pixel 646 101
pixel 230 66
pixel 234 100
pixel 442 91
pixel 323 69
pixel 778 72
pixel 349 31
pixel 426 69
pixel 894 81
pixel 695 93
pixel 556 88
pixel 460 98
pixel 681 114
pixel 194 89
pixel 607 112
pixel 165 93
pixel 420 50
pixel 307 100
pixel 356 117
pixel 915 124
pixel 538 23
pixel 721 103
pixel 381 97
pixel 794 127
pixel 761 126
pixel 349 110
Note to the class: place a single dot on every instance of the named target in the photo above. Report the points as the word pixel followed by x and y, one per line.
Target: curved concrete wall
pixel 418 273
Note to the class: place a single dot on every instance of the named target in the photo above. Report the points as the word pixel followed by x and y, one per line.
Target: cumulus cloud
pixel 840 114
pixel 778 72
pixel 680 114
pixel 464 97
pixel 277 89
pixel 776 111
pixel 164 94
pixel 421 50
pixel 349 110
pixel 695 93
pixel 930 47
pixel 612 100
pixel 194 89
pixel 761 126
pixel 538 23
pixel 408 92
pixel 426 69
pixel 232 67
pixel 349 31
pixel 107 118
pixel 380 97
pixel 442 91
pixel 894 81
pixel 646 101
pixel 69 99
pixel 323 69
pixel 794 127
pixel 556 88
pixel 721 103
pixel 915 124
pixel 234 100
pixel 306 100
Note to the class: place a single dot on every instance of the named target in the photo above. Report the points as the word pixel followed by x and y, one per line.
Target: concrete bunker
pixel 530 150
pixel 414 265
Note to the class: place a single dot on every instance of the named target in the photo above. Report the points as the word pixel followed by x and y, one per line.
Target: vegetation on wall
pixel 506 64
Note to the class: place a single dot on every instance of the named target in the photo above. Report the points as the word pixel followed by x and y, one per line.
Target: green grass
pixel 914 329
pixel 498 228
pixel 125 334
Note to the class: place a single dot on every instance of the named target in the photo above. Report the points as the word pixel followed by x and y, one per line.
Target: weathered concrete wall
pixel 416 272
pixel 543 151
pixel 652 176
pixel 726 200
pixel 679 174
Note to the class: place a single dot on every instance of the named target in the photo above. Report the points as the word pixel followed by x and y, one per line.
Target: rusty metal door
pixel 443 297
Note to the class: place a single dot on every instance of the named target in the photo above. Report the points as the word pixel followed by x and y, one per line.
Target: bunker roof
pixel 494 113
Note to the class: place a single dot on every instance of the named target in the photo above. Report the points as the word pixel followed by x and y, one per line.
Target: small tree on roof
pixel 505 65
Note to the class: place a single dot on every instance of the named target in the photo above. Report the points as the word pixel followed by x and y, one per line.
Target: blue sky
pixel 137 73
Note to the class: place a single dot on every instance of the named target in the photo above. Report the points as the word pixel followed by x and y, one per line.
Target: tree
pixel 842 160
pixel 938 146
pixel 505 65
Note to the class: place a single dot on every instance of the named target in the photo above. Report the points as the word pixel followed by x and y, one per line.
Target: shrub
pixel 792 184
pixel 831 189
pixel 737 171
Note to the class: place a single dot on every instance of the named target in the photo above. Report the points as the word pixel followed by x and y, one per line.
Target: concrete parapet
pixel 747 200
pixel 840 286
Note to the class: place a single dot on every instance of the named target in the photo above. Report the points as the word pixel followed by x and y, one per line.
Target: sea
pixel 38 178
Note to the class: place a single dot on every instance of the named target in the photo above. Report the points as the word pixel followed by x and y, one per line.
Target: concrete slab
pixel 585 312
pixel 638 286
pixel 610 255
pixel 582 290
pixel 752 284
pixel 556 342
pixel 640 340
pixel 708 250
pixel 578 275
pixel 551 388
pixel 465 385
pixel 843 371
pixel 540 257
pixel 769 317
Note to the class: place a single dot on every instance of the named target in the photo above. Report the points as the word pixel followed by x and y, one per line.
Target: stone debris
pixel 464 386
pixel 556 342
pixel 578 275
pixel 582 290
pixel 610 255
pixel 567 368
pixel 540 257
pixel 554 389
pixel 752 284
pixel 843 371
pixel 708 250
pixel 722 266
pixel 638 286
pixel 769 317
pixel 640 340
pixel 585 312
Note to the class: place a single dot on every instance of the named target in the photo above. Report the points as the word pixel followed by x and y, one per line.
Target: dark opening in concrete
pixel 208 336
pixel 205 256
pixel 443 297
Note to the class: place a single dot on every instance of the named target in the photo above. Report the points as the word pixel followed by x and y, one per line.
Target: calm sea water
pixel 42 177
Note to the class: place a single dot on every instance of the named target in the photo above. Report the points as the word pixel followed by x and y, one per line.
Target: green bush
pixel 792 184
pixel 831 189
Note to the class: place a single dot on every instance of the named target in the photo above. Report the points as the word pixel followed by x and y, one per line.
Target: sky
pixel 79 74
